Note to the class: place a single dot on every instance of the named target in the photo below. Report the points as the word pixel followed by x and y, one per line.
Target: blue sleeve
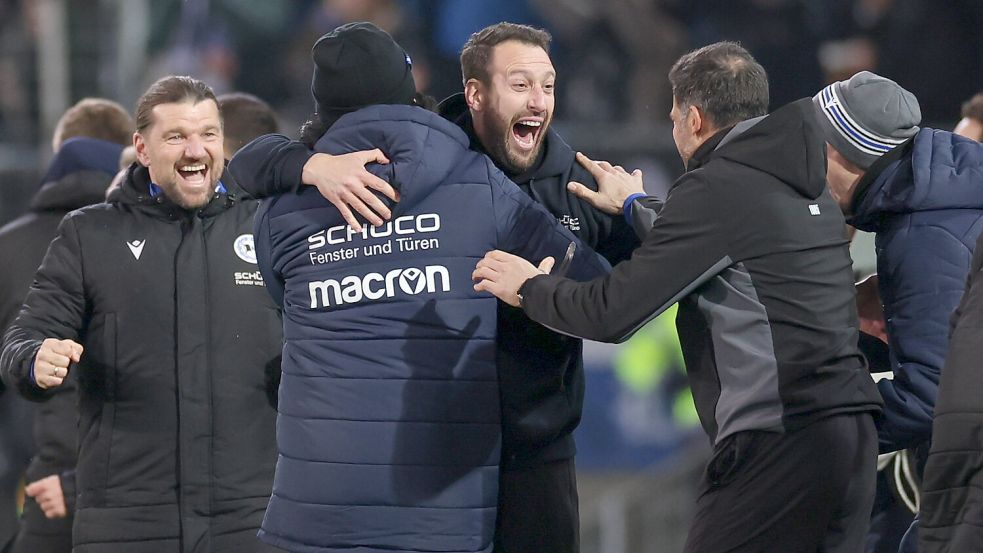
pixel 264 253
pixel 922 275
pixel 270 165
pixel 527 229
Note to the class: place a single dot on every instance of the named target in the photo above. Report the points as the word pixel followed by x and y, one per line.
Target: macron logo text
pixel 374 286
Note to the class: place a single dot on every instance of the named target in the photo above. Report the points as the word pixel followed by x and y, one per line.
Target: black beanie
pixel 358 65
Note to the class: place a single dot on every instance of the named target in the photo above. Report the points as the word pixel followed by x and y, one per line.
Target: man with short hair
pixel 246 117
pixel 75 178
pixel 95 118
pixel 918 190
pixel 751 245
pixel 506 110
pixel 154 303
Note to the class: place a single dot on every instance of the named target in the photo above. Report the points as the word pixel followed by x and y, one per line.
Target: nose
pixel 194 148
pixel 537 99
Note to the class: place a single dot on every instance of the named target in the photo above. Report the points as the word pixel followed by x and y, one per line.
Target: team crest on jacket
pixel 245 248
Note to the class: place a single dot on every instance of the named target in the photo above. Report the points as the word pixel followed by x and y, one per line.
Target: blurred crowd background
pixel 639 445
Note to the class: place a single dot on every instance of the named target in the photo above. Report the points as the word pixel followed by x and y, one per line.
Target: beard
pixel 191 199
pixel 504 153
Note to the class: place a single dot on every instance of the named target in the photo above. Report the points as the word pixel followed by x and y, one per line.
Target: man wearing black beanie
pixel 542 390
pixel 390 427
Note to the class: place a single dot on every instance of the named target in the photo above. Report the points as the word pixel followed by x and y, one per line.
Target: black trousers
pixel 538 510
pixel 806 491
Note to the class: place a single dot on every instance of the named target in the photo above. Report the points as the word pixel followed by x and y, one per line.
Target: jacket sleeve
pixel 269 165
pixel 922 274
pixel 68 490
pixel 615 239
pixel 685 248
pixel 641 214
pixel 526 229
pixel 54 308
pixel 264 253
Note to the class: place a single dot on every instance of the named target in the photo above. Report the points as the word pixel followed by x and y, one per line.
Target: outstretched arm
pixel 274 164
pixel 687 246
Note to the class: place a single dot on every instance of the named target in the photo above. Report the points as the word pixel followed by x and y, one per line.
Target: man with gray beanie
pixel 919 191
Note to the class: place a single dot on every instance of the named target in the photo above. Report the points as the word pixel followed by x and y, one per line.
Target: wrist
pixel 626 205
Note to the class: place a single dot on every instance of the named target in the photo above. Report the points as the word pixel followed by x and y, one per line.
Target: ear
pixel 140 146
pixel 473 94
pixel 695 121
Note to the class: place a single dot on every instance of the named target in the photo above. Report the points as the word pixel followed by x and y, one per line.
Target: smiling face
pixel 182 149
pixel 513 110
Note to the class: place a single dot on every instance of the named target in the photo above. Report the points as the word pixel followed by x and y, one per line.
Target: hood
pixel 422 147
pixel 78 175
pixel 557 156
pixel 936 170
pixel 787 144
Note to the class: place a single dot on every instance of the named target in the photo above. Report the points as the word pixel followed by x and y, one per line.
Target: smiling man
pixel 506 109
pixel 155 301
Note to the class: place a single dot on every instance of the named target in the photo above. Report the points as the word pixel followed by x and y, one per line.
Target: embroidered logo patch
pixel 245 248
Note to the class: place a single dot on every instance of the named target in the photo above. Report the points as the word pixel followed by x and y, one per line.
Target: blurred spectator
pixel 126 158
pixel 76 177
pixel 94 118
pixel 781 34
pixel 905 40
pixel 245 117
pixel 642 36
pixel 971 124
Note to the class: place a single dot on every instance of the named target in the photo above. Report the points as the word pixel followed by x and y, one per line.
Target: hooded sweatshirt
pixel 751 245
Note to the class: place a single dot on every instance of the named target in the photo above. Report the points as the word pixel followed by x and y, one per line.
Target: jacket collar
pixel 876 171
pixel 703 153
pixel 136 191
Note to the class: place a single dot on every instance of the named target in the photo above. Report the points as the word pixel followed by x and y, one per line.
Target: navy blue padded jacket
pixel 924 199
pixel 389 427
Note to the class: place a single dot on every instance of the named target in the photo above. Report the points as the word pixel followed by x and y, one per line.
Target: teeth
pixel 199 167
pixel 531 123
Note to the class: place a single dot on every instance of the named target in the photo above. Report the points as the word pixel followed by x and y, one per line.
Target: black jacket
pixel 752 247
pixel 176 442
pixel 952 487
pixel 78 176
pixel 541 372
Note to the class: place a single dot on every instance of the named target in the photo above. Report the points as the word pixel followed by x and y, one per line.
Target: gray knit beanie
pixel 866 116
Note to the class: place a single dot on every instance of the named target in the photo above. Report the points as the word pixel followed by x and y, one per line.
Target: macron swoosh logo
pixel 136 247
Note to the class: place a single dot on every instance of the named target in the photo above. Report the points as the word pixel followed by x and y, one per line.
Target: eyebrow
pixel 551 74
pixel 182 129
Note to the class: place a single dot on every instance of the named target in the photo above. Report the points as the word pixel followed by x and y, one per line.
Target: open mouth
pixel 193 173
pixel 526 132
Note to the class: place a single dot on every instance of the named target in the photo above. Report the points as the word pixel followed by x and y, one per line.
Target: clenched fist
pixel 52 361
pixel 48 494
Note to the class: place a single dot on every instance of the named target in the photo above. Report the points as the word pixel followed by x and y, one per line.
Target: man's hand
pixel 52 361
pixel 870 309
pixel 503 274
pixel 614 185
pixel 344 182
pixel 48 495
